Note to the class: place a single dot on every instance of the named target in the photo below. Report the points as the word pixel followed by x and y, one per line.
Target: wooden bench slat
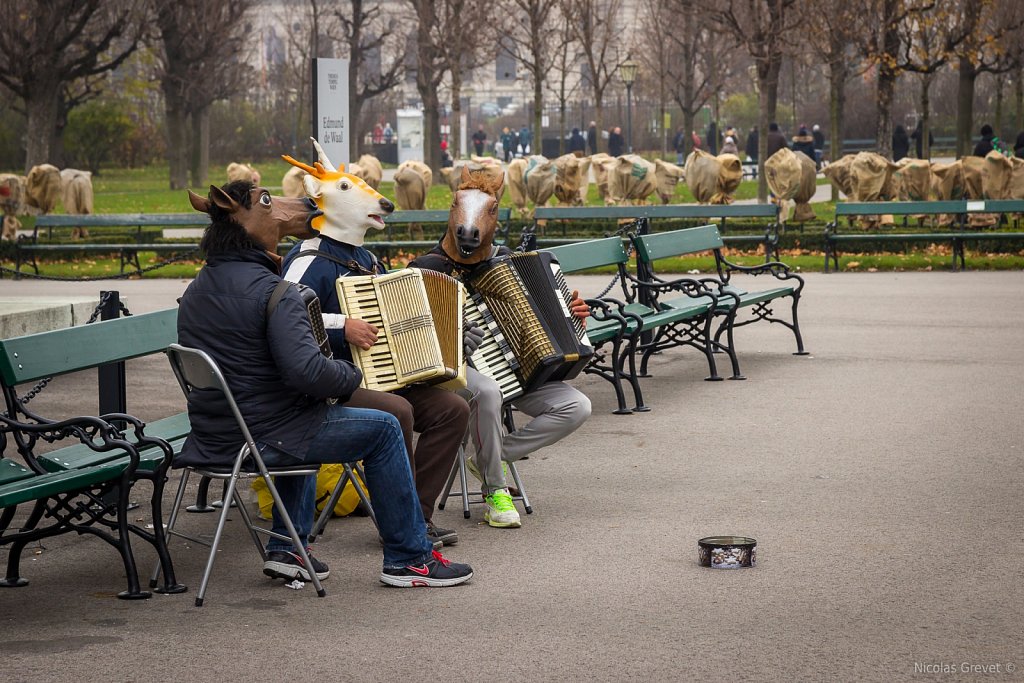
pixel 589 254
pixel 123 220
pixel 45 485
pixel 678 242
pixel 658 211
pixel 32 357
pixel 13 471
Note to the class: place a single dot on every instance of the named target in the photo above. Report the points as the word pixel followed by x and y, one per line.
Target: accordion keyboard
pixel 493 358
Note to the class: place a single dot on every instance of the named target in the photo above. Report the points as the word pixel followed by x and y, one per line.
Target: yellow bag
pixel 326 480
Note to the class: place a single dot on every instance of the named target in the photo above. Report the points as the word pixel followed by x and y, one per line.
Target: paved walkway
pixel 881 476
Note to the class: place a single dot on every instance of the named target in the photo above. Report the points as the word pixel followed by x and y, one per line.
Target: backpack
pixel 326 480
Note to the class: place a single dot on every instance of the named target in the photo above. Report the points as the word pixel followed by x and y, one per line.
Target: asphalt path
pixel 881 476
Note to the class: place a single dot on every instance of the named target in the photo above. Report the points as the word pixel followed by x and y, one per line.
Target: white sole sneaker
pixel 422 581
pixel 502 520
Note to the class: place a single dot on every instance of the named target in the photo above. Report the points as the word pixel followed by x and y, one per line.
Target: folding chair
pixel 357 484
pixel 197 370
pixel 459 468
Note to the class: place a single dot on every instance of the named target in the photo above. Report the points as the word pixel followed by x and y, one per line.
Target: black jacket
pixel 275 369
pixel 984 146
pixel 437 259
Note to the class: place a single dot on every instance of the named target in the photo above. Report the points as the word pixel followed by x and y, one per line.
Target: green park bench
pixel 957 235
pixel 730 299
pixel 651 213
pixel 84 486
pixel 128 228
pixel 685 324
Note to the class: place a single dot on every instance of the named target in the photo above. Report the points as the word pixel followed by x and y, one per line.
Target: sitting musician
pixel 351 207
pixel 280 379
pixel 556 408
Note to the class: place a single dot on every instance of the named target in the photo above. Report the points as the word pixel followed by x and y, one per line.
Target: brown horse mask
pixel 473 218
pixel 268 219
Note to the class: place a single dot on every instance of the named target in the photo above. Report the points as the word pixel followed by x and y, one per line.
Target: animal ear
pixel 199 203
pixel 223 199
pixel 312 186
pixel 499 188
pixel 465 176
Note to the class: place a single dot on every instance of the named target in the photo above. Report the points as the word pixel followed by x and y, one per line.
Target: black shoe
pixel 446 536
pixel 434 573
pixel 282 564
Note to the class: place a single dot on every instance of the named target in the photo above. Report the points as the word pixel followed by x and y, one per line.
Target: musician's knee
pixel 573 408
pixel 487 395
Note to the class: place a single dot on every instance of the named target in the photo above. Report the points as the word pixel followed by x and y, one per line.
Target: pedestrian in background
pixel 616 143
pixel 524 140
pixel 577 144
pixel 479 140
pixel 506 144
pixel 679 145
pixel 819 144
pixel 900 143
pixel 752 141
pixel 776 140
pixel 592 137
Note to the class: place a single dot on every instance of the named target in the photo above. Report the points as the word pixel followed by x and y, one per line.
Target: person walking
pixel 712 138
pixel 803 141
pixel 679 145
pixel 776 140
pixel 918 139
pixel 577 143
pixel 984 145
pixel 752 141
pixel 506 144
pixel 524 140
pixel 729 146
pixel 819 144
pixel 900 143
pixel 592 137
pixel 616 143
pixel 479 140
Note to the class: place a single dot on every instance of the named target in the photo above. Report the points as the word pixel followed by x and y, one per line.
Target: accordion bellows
pixel 418 315
pixel 528 297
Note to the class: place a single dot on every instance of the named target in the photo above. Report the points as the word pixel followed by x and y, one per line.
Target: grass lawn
pixel 145 190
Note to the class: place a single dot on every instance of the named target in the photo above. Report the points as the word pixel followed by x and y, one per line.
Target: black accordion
pixel 528 298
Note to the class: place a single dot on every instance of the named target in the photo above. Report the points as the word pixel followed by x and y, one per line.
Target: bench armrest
pixel 609 309
pixel 94 432
pixel 775 268
pixel 692 287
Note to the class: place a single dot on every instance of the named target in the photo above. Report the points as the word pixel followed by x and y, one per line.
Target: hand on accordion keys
pixel 578 306
pixel 472 337
pixel 360 333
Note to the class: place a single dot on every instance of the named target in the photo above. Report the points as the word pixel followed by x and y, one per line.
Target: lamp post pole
pixel 628 71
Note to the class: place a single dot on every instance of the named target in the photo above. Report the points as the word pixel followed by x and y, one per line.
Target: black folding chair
pixel 197 370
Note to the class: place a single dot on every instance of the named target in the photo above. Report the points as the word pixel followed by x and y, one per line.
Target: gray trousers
pixel 557 410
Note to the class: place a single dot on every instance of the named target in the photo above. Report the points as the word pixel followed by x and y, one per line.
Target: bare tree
pixel 762 27
pixel 658 30
pixel 595 31
pixel 929 42
pixel 44 46
pixel 832 36
pixel 365 32
pixel 535 32
pixel 565 62
pixel 202 45
pixel 985 23
pixel 430 71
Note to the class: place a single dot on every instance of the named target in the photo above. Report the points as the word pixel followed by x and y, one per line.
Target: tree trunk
pixel 883 101
pixel 997 125
pixel 200 166
pixel 765 116
pixel 561 125
pixel 455 139
pixel 926 103
pixel 688 122
pixel 599 120
pixel 837 102
pixel 41 107
pixel 965 107
pixel 537 146
pixel 1018 99
pixel 177 146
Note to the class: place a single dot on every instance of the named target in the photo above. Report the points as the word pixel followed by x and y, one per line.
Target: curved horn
pixel 322 156
pixel 299 164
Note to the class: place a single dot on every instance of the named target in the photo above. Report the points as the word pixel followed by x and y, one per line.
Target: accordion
pixel 528 298
pixel 316 321
pixel 418 315
pixel 494 357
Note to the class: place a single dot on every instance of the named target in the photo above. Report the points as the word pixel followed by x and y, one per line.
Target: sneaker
pixel 283 564
pixel 435 572
pixel 501 511
pixel 445 536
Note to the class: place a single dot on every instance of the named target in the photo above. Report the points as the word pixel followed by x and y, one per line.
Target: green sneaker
pixel 501 511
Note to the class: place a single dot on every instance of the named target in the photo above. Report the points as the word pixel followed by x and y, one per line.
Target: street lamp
pixel 627 70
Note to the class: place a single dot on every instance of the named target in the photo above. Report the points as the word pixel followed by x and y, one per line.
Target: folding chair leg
pixel 461 459
pixel 216 538
pixel 247 520
pixel 448 486
pixel 299 546
pixel 519 485
pixel 347 476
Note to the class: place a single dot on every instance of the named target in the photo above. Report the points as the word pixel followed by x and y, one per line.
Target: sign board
pixel 331 125
pixel 976 206
pixel 410 135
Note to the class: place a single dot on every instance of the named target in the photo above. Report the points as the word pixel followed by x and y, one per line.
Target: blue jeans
pixel 348 435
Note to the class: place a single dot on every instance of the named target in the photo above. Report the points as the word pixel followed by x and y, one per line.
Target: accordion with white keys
pixel 419 318
pixel 528 297
pixel 494 357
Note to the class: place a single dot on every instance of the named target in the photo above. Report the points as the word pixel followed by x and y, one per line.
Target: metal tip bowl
pixel 727 552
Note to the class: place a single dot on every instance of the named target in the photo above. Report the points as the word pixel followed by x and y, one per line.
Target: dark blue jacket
pixel 274 368
pixel 321 273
